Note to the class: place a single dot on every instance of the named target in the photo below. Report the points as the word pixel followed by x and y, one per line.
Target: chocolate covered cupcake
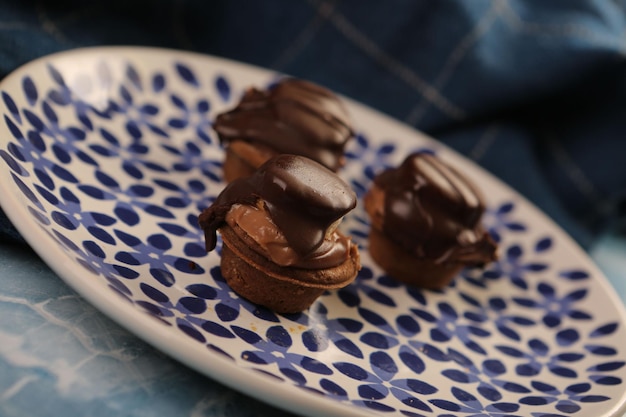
pixel 426 222
pixel 281 247
pixel 292 117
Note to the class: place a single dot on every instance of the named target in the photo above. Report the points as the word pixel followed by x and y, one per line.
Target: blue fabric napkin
pixel 533 91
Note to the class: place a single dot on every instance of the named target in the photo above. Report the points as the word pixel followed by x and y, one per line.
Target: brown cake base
pixel 243 159
pixel 262 289
pixel 281 289
pixel 405 267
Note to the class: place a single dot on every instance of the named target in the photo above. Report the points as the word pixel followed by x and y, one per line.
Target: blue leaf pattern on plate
pixel 148 159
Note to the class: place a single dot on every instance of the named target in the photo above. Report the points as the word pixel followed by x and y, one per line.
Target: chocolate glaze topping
pixel 434 211
pixel 293 117
pixel 303 199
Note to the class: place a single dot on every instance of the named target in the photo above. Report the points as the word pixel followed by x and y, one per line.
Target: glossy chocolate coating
pixel 303 199
pixel 430 209
pixel 293 117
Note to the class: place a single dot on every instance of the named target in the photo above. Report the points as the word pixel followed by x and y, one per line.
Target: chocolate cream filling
pixel 291 207
pixel 256 223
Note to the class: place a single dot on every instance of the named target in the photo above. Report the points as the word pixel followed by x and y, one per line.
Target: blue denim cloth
pixel 535 92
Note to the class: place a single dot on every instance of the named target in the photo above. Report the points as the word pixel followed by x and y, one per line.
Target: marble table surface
pixel 60 356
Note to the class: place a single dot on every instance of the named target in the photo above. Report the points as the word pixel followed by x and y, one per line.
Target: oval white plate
pixel 108 157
